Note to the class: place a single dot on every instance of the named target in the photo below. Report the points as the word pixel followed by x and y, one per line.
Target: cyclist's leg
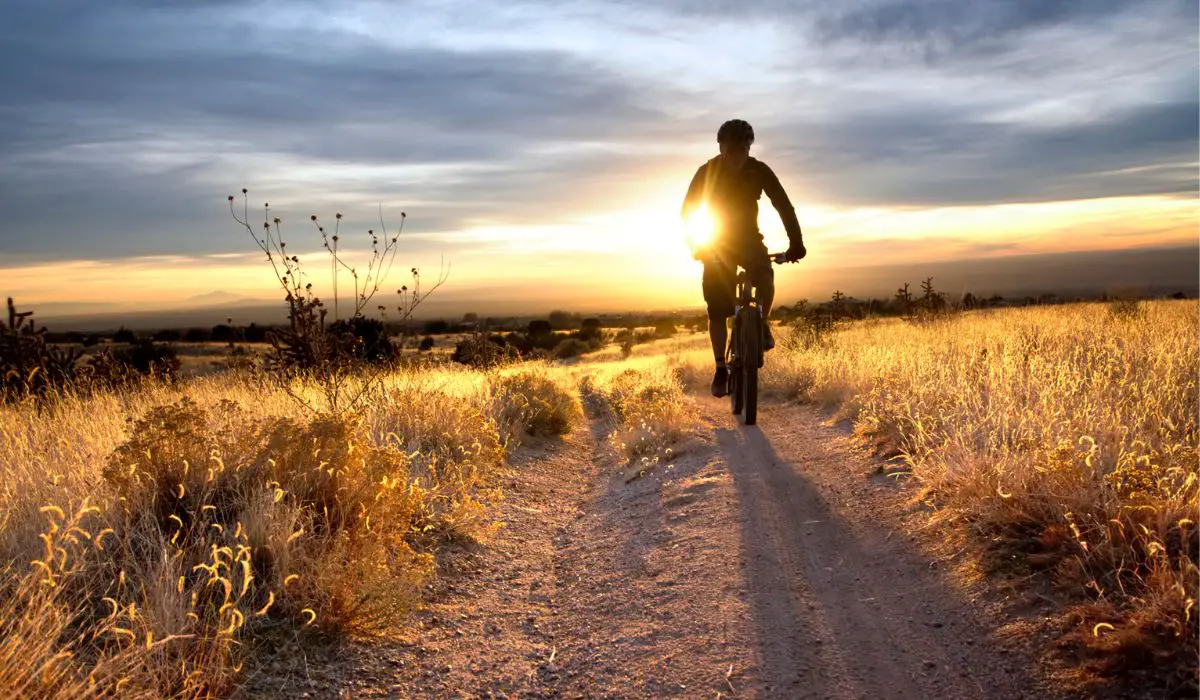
pixel 719 283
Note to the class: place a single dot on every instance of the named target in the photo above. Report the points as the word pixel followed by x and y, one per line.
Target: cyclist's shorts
pixel 720 277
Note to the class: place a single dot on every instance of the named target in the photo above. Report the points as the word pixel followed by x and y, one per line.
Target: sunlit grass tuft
pixel 648 408
pixel 535 402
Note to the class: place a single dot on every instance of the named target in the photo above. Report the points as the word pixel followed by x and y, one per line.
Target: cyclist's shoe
pixel 720 382
pixel 768 339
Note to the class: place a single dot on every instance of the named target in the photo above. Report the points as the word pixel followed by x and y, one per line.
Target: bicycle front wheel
pixel 751 352
pixel 735 370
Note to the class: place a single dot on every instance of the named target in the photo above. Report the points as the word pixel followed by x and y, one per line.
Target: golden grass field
pixel 154 539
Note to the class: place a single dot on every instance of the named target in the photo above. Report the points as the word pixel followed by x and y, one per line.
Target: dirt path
pixel 763 562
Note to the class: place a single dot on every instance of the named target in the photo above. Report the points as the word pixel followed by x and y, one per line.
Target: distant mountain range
pixel 219 298
pixel 1145 272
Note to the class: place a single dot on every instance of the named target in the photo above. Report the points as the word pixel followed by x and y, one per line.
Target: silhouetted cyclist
pixel 728 187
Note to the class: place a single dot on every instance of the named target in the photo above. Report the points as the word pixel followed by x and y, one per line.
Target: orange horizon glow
pixel 649 244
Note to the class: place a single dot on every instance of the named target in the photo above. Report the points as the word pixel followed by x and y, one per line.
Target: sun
pixel 700 227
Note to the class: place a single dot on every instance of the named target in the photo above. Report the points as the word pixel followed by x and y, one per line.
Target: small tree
pixel 590 329
pixel 664 328
pixel 561 320
pixel 931 299
pixel 903 298
pixel 837 304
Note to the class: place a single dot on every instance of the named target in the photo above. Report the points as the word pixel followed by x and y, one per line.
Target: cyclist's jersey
pixel 732 198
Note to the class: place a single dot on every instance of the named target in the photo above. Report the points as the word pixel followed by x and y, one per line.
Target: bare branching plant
pixel 344 357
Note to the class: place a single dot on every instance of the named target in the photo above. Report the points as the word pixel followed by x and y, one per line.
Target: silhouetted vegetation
pixel 32 367
pixel 28 364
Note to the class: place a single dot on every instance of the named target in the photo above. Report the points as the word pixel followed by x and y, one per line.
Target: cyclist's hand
pixel 795 252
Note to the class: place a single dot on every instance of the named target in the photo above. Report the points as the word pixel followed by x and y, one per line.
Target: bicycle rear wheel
pixel 751 352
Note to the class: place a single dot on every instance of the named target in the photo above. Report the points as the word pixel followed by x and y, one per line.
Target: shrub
pixel 590 329
pixel 481 352
pixel 366 339
pixel 318 517
pixel 150 359
pixel 534 404
pixel 571 347
pixel 808 328
pixel 1125 309
pixel 539 328
pixel 307 344
pixel 665 328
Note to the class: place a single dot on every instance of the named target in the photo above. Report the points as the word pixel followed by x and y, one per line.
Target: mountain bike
pixel 744 356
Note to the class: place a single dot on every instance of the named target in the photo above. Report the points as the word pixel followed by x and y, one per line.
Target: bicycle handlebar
pixel 779 258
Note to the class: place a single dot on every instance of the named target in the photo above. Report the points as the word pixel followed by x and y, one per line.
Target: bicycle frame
pixel 744 354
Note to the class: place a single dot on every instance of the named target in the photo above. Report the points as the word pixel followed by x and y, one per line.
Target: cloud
pixel 945 28
pixel 916 158
pixel 103 145
pixel 123 125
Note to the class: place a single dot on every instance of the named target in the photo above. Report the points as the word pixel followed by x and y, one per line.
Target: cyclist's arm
pixel 695 193
pixel 783 205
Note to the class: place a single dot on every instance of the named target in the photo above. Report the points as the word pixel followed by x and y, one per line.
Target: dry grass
pixel 1065 436
pixel 153 538
pixel 646 405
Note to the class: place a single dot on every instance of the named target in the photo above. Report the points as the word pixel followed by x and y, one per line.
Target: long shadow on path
pixel 842 610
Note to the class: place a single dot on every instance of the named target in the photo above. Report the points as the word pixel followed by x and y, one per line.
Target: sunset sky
pixel 542 147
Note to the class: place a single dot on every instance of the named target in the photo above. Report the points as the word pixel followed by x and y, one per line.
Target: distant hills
pixel 1144 272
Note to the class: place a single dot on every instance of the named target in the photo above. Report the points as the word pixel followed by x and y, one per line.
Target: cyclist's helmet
pixel 735 131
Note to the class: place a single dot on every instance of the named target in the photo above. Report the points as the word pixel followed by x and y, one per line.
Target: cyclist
pixel 728 187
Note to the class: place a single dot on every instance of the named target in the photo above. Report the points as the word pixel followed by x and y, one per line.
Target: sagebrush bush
pixel 481 352
pixel 537 403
